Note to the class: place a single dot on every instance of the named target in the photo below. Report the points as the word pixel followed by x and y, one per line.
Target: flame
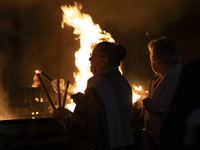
pixel 37 71
pixel 138 88
pixel 71 106
pixel 36 82
pixel 135 97
pixel 138 93
pixel 89 35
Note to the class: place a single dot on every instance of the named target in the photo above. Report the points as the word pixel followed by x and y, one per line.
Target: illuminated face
pixel 155 65
pixel 97 62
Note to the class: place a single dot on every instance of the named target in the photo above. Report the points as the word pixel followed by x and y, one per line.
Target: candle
pixel 46 76
pixel 50 101
pixel 151 86
pixel 46 92
pixel 58 87
pixel 65 94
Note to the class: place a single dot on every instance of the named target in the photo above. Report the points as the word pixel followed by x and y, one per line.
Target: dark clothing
pixel 181 127
pixel 162 95
pixel 163 92
pixel 106 110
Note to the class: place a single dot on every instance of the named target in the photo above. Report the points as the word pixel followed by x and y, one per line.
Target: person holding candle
pixel 165 57
pixel 103 113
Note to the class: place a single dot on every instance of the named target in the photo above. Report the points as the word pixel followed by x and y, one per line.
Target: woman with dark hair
pixel 103 114
pixel 165 58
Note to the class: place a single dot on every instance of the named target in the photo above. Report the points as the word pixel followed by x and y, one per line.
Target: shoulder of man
pixel 96 80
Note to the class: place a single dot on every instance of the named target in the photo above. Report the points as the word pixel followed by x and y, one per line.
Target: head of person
pixel 164 53
pixel 106 54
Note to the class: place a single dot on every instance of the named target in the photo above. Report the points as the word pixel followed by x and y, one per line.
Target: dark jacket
pixel 106 107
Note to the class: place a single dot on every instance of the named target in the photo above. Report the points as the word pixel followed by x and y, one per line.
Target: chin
pixel 91 70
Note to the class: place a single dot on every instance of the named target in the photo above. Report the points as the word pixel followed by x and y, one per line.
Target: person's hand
pixel 61 113
pixel 151 106
pixel 76 97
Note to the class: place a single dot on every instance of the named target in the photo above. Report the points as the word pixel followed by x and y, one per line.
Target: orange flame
pixel 36 82
pixel 138 93
pixel 89 35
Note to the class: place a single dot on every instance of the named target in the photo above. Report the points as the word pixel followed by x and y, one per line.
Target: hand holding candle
pixel 151 106
pixel 151 88
pixel 46 92
pixel 49 99
pixel 61 113
pixel 44 75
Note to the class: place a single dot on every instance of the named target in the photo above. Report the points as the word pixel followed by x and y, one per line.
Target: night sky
pixel 31 36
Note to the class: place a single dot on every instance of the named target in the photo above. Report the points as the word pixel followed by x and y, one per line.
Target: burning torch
pixel 38 73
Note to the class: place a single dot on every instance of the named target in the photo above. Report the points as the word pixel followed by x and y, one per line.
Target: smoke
pixel 8 34
pixel 127 16
pixel 133 23
pixel 4 111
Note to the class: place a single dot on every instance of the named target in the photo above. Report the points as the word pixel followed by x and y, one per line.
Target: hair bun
pixel 121 51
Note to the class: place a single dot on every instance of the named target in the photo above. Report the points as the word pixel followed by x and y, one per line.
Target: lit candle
pixel 45 90
pixel 44 75
pixel 50 101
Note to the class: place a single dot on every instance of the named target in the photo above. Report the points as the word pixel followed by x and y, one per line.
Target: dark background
pixel 31 36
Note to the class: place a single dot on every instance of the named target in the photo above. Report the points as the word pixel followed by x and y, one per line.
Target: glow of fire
pixel 37 71
pixel 138 88
pixel 135 95
pixel 139 93
pixel 71 106
pixel 35 80
pixel 89 35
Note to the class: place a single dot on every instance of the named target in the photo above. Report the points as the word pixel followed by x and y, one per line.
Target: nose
pixel 90 58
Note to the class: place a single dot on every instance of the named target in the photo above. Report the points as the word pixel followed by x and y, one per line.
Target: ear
pixel 105 61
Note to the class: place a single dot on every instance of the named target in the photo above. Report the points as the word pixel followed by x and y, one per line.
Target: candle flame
pixel 37 71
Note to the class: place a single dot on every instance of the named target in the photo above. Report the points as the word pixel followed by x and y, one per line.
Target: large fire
pixel 89 35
